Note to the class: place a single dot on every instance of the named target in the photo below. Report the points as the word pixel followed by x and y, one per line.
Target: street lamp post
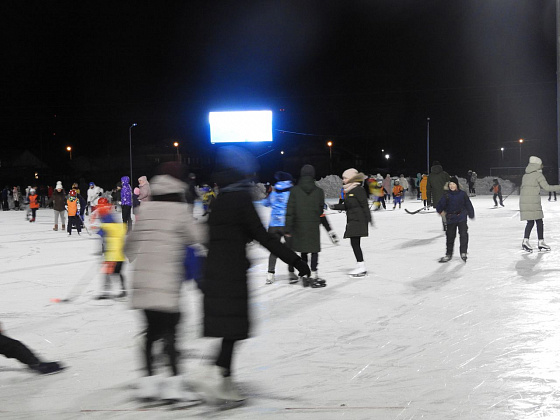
pixel 69 148
pixel 428 147
pixel 329 143
pixel 176 144
pixel 520 143
pixel 130 146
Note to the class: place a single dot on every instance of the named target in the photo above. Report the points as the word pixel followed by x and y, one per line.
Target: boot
pixel 543 246
pixel 269 278
pixel 149 388
pixel 173 389
pixel 55 228
pixel 63 227
pixel 212 383
pixel 314 281
pixel 445 259
pixel 359 271
pixel 525 246
pixel 47 368
pixel 333 237
pixel 464 256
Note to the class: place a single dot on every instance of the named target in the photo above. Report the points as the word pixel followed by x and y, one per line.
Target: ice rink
pixel 415 339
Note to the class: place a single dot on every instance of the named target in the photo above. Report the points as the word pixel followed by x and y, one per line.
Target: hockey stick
pixel 415 211
pixel 79 287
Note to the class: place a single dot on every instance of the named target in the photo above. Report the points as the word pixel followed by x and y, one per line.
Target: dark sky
pixel 365 74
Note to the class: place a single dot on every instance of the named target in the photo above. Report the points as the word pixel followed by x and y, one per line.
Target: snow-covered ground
pixel 416 339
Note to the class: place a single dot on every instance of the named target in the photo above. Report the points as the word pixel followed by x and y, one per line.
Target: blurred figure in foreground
pixel 233 223
pixel 156 248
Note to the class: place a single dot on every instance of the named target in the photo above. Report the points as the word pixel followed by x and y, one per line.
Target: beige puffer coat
pixel 156 246
pixel 529 197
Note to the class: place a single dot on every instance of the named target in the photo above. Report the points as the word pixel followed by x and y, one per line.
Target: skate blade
pixel 357 276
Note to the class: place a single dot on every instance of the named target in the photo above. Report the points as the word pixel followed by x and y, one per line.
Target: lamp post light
pixel 330 143
pixel 502 149
pixel 176 144
pixel 520 143
pixel 69 148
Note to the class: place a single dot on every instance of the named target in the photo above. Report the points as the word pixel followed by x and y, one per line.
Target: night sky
pixel 365 74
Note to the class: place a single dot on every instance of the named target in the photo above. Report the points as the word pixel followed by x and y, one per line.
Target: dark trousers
pixel 74 220
pixel 126 217
pixel 529 228
pixel 314 259
pixel 499 195
pixel 14 349
pixel 161 325
pixel 226 355
pixel 278 232
pixel 355 242
pixel 451 233
pixel 33 213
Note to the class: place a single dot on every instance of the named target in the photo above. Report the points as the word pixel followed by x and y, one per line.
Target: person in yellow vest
pixel 424 189
pixel 73 209
pixel 113 233
pixel 33 204
pixel 378 194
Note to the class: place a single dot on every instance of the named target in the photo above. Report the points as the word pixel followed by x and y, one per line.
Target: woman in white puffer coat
pixel 530 202
pixel 156 248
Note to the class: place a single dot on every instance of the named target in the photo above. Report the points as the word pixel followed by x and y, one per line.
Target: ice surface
pixel 416 339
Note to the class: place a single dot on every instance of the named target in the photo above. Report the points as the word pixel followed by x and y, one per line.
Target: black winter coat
pixel 357 213
pixel 436 182
pixel 233 223
pixel 457 206
pixel 303 215
pixel 59 200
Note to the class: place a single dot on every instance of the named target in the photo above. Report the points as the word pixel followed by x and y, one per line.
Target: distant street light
pixel 520 143
pixel 70 150
pixel 176 144
pixel 502 149
pixel 330 143
pixel 387 156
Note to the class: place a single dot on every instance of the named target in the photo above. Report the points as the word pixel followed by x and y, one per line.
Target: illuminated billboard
pixel 240 126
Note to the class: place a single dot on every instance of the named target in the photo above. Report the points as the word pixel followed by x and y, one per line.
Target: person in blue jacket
pixel 456 206
pixel 278 201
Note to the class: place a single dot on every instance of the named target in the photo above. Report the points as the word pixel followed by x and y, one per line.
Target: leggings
pixel 60 214
pixel 226 355
pixel 161 325
pixel 126 218
pixel 14 349
pixel 314 259
pixel 355 242
pixel 529 228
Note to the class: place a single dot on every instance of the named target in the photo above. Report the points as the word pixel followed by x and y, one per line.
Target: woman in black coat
pixel 233 223
pixel 357 214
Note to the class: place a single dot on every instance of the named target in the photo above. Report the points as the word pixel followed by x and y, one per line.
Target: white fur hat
pixel 534 159
pixel 58 185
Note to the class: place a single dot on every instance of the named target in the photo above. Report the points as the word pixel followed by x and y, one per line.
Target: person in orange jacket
pixel 398 192
pixel 33 204
pixel 73 209
pixel 424 190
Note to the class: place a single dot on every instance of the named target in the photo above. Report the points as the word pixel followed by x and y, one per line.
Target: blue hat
pixel 91 184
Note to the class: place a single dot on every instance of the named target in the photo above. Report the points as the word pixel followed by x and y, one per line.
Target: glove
pixel 331 206
pixel 302 268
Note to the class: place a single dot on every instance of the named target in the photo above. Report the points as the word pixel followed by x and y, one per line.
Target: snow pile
pixel 331 184
pixel 259 191
pixel 482 186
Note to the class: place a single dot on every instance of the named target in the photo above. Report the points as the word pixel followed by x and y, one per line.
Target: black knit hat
pixel 455 181
pixel 308 170
pixel 283 176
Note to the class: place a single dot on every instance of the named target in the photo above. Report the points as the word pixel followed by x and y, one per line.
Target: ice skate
pixel 445 259
pixel 55 228
pixel 333 237
pixel 464 256
pixel 525 246
pixel 314 281
pixel 149 388
pixel 47 368
pixel 269 278
pixel 359 271
pixel 212 383
pixel 293 276
pixel 173 389
pixel 542 246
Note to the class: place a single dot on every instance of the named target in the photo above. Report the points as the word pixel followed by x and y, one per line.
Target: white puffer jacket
pixel 529 196
pixel 156 247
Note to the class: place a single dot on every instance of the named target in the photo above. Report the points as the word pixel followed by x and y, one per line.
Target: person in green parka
pixel 437 180
pixel 530 202
pixel 303 218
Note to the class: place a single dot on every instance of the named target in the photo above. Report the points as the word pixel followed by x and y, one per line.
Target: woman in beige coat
pixel 530 202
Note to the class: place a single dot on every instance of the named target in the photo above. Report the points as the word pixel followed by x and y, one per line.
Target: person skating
pixel 437 180
pixel 456 206
pixel 93 194
pixel 126 202
pixel 398 192
pixel 496 188
pixel 144 187
pixel 16 195
pixel 278 201
pixel 303 217
pixel 233 223
pixel 14 349
pixel 550 195
pixel 33 204
pixel 530 202
pixel 73 210
pixel 376 191
pixel 156 247
pixel 358 217
pixel 403 182
pixel 58 201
